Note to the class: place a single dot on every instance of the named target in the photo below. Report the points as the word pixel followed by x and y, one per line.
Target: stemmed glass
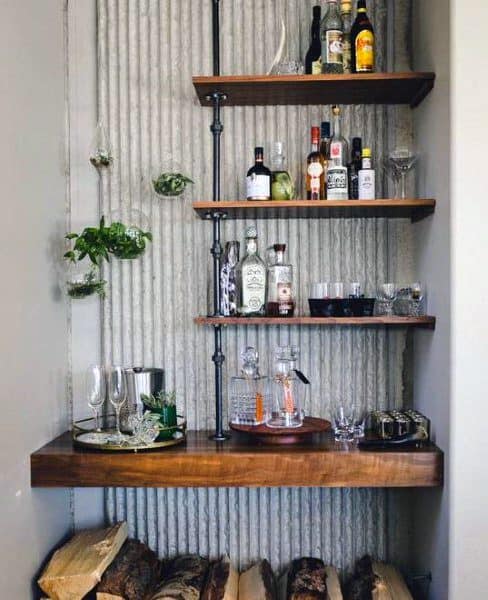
pixel 117 394
pixel 417 298
pixel 402 161
pixel 96 390
pixel 387 293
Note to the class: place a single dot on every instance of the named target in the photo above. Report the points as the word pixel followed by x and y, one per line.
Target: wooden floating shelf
pixel 369 88
pixel 426 322
pixel 203 463
pixel 415 209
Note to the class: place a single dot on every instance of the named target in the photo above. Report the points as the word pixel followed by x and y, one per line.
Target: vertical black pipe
pixel 216 37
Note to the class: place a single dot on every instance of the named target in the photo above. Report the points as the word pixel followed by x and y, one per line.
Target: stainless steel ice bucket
pixel 143 380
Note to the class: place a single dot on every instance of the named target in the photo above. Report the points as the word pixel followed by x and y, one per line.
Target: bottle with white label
pixel 258 181
pixel 251 279
pixel 337 176
pixel 366 177
pixel 331 32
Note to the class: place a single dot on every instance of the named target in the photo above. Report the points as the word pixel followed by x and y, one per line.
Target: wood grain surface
pixel 426 322
pixel 359 88
pixel 204 463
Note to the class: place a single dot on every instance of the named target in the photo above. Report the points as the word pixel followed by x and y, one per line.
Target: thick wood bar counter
pixel 204 463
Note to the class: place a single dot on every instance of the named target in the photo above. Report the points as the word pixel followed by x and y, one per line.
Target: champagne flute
pixel 96 390
pixel 117 393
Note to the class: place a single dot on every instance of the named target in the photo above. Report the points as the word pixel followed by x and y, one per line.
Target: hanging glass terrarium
pixel 127 233
pixel 249 392
pixel 101 153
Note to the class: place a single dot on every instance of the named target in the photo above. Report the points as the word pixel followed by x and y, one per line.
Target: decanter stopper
pixel 250 359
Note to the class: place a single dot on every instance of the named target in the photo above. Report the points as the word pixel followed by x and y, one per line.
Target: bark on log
pixel 184 579
pixel 257 583
pixel 132 576
pixel 78 566
pixel 309 579
pixel 222 581
pixel 390 584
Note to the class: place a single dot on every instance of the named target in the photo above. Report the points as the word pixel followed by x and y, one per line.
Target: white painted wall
pixel 33 317
pixel 432 259
pixel 469 368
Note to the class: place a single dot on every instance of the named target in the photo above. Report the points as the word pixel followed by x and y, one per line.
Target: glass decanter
pixel 250 396
pixel 287 390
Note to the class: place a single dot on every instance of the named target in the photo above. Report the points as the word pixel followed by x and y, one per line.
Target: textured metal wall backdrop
pixel 148 52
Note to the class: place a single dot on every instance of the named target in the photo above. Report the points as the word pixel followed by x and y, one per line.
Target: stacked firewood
pixel 105 565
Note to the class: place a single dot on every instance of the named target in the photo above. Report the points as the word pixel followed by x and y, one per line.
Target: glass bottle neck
pixel 280 257
pixel 251 245
pixel 259 160
pixel 337 126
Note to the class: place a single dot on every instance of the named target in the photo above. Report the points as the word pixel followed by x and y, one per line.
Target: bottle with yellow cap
pixel 366 177
pixel 362 42
pixel 346 10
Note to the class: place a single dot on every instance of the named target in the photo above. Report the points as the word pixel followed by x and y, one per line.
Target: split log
pixel 184 579
pixel 133 574
pixel 222 581
pixel 309 579
pixel 78 566
pixel 389 585
pixel 257 583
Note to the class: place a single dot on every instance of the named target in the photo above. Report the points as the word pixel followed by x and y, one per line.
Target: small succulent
pixel 90 284
pixel 101 159
pixel 159 400
pixel 171 184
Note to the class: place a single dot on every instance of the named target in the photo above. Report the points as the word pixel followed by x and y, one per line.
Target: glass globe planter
pixel 170 181
pixel 127 233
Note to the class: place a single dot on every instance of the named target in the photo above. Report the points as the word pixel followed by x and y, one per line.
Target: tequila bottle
pixel 251 279
pixel 228 287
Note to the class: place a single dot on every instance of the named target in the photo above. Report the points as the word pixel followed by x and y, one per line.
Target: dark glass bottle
pixel 258 178
pixel 313 59
pixel 325 139
pixel 354 167
pixel 362 42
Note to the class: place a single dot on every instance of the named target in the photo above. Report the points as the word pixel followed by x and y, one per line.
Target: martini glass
pixel 402 161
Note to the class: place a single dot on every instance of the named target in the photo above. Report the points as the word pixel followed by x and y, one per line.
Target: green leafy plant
pixel 88 285
pixel 171 184
pixel 160 400
pixel 99 242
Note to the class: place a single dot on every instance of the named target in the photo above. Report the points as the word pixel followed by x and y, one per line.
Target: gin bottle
pixel 251 279
pixel 331 32
pixel 337 180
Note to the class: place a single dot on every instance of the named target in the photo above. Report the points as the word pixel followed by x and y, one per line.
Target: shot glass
pixel 343 417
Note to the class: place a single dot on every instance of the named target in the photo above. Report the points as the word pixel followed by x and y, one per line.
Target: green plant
pixel 171 184
pixel 159 400
pixel 87 286
pixel 99 242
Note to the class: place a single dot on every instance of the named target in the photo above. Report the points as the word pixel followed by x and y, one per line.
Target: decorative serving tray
pixel 284 435
pixel 85 436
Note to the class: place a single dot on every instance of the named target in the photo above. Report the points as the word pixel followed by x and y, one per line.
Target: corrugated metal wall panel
pixel 148 52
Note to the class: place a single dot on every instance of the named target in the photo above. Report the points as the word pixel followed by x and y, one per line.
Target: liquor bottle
pixel 258 178
pixel 366 177
pixel 346 9
pixel 362 42
pixel 313 59
pixel 279 297
pixel 331 36
pixel 337 183
pixel 354 167
pixel 315 169
pixel 228 283
pixel 325 140
pixel 251 278
pixel 282 187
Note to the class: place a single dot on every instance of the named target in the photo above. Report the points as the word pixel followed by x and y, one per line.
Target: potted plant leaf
pixel 86 284
pixel 164 405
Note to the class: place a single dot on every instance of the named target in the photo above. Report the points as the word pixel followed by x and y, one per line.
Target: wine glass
pixel 402 160
pixel 117 394
pixel 387 293
pixel 96 390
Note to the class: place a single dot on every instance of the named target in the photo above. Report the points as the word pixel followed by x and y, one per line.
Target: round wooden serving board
pixel 285 435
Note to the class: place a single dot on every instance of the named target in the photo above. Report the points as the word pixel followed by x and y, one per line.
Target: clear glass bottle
pixel 346 10
pixel 337 179
pixel 251 279
pixel 258 180
pixel 366 177
pixel 331 31
pixel 228 279
pixel 250 396
pixel 287 390
pixel 280 298
pixel 282 187
pixel 315 179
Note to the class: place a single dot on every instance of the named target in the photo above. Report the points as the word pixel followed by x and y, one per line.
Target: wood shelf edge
pixel 426 322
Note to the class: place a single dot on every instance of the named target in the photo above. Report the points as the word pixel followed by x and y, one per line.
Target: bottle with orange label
pixel 362 42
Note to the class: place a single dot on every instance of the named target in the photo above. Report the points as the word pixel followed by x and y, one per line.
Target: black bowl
pixel 341 307
pixel 358 307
